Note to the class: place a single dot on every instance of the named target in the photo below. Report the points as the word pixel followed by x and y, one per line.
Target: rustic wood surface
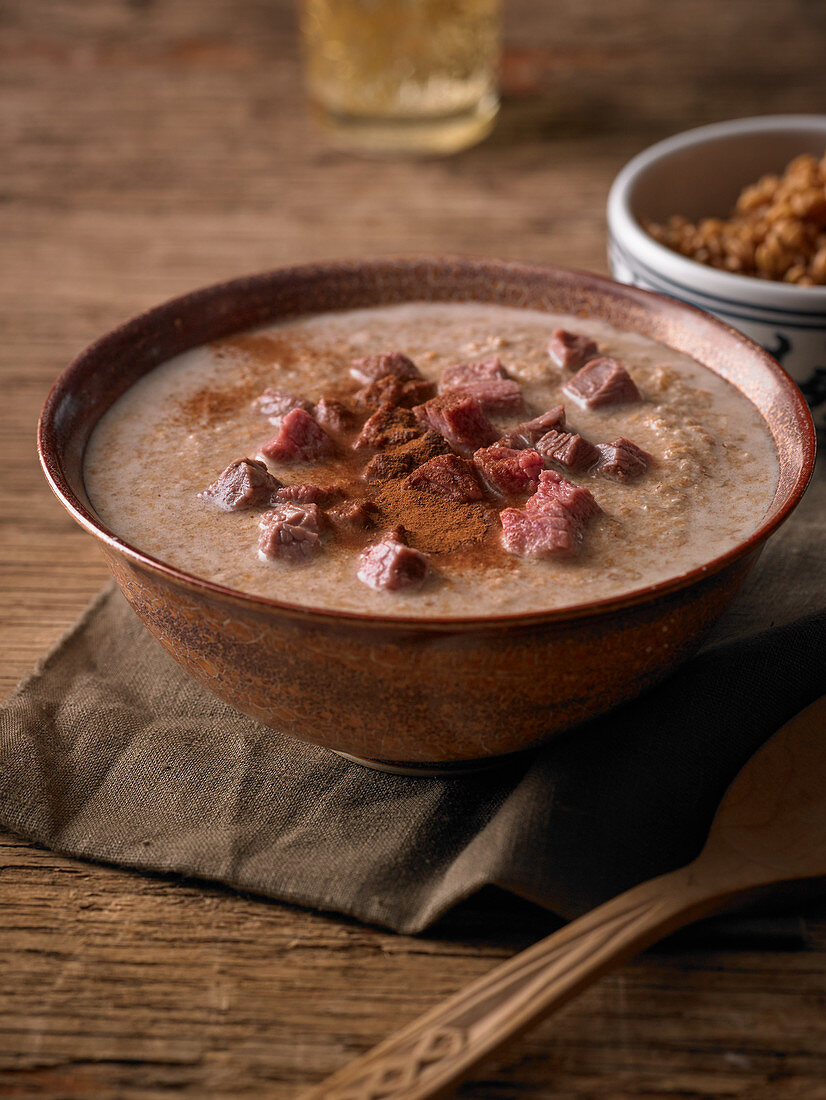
pixel 763 833
pixel 151 146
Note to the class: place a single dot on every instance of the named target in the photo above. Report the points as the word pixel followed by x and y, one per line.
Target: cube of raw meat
pixel 568 450
pixel 300 439
pixel 246 483
pixel 602 382
pixel 393 391
pixel 353 515
pixel 507 470
pixel 307 493
pixel 392 566
pixel 460 419
pixel 571 351
pixel 332 415
pixel 549 531
pixel 275 404
pixel 458 376
pixel 282 538
pixel 373 367
pixel 576 500
pixel 446 476
pixel 402 460
pixel 623 460
pixel 527 433
pixel 389 426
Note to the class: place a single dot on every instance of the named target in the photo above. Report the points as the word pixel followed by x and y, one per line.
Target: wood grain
pixel 769 830
pixel 149 147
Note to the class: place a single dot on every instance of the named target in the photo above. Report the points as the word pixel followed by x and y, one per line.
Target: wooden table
pixel 148 147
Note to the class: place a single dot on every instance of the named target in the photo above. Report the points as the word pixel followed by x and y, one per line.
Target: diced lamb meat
pixel 622 460
pixel 282 538
pixel 460 375
pixel 507 470
pixel 571 351
pixel 446 476
pixel 568 450
pixel 553 520
pixel 488 382
pixel 353 515
pixel 373 367
pixel 275 404
pixel 390 565
pixel 246 483
pixel 307 516
pixel 550 531
pixel 300 439
pixel 527 433
pixel 576 500
pixel 460 419
pixel 332 415
pixel 513 441
pixel 602 382
pixel 389 426
pixel 502 395
pixel 393 391
pixel 321 495
pixel 387 465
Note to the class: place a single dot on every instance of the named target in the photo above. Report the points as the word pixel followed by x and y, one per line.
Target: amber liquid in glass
pixel 413 76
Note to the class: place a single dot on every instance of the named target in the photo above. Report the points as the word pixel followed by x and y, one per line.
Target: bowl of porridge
pixel 427 512
pixel 731 217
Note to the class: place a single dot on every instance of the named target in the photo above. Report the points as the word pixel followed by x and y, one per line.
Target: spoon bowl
pixel 773 816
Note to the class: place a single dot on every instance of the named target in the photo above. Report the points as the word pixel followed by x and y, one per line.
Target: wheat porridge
pixel 432 459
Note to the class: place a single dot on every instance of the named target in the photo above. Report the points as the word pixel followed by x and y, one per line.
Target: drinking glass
pixel 403 76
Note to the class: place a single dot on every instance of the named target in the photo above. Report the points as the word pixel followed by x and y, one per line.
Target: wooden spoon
pixel 770 828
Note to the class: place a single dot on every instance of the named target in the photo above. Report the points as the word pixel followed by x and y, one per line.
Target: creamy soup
pixel 706 475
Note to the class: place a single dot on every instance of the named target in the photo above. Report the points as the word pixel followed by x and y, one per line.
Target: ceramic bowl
pixel 699 174
pixel 415 690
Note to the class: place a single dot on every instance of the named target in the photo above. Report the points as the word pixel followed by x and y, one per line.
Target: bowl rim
pixel 683 273
pixel 171 309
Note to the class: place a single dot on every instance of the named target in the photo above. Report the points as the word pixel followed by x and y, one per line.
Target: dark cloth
pixel 109 751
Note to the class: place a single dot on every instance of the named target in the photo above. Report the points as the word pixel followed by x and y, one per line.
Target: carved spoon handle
pixel 441 1047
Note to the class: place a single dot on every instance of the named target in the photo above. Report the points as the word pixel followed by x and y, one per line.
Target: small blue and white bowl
pixel 699 174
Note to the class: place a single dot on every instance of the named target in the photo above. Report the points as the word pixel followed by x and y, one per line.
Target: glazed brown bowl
pixel 418 690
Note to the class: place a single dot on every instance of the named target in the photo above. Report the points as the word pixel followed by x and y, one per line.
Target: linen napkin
pixel 109 751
